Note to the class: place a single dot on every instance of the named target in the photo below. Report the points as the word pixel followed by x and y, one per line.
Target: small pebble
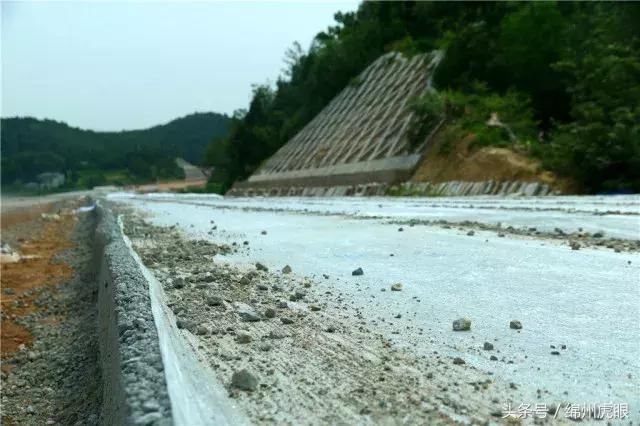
pixel 515 325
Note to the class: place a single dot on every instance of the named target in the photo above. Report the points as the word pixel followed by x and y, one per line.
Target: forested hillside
pixel 88 158
pixel 564 77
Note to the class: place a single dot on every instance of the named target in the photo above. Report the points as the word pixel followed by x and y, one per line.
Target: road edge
pixel 135 388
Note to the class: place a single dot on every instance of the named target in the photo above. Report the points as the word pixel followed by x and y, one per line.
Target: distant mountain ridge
pixel 31 146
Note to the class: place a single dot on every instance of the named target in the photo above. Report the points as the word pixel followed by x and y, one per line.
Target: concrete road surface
pixel 580 309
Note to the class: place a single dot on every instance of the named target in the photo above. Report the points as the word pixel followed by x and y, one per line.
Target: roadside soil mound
pixel 457 161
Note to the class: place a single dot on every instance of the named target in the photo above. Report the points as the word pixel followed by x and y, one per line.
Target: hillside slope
pixel 563 76
pixel 31 146
pixel 459 161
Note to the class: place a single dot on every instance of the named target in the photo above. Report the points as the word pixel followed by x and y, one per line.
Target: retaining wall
pixel 135 388
pixel 450 189
pixel 361 136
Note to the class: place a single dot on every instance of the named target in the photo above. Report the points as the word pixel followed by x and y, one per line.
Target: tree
pixel 601 146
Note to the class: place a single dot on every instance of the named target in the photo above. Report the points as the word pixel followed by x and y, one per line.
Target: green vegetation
pixel 468 113
pixel 563 77
pixel 88 158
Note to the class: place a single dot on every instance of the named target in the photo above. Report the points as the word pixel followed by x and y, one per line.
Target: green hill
pixel 88 158
pixel 565 76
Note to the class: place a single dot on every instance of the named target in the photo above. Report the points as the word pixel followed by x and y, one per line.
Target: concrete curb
pixel 135 389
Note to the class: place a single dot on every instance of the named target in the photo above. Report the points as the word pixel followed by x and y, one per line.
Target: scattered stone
pixel 400 229
pixel 462 324
pixel 247 314
pixel 178 282
pixel 243 337
pixel 202 330
pixel 261 267
pixel 396 287
pixel 244 380
pixel 264 232
pixel 212 300
pixel 493 358
pixel 298 295
pixel 314 308
pixel 287 320
pixel 286 269
pixel 246 279
pixel 458 361
pixel 515 325
pixel 501 235
pixel 262 287
pixel 246 243
pixel 9 291
pixel 283 305
pixel 555 353
pixel 487 346
pixel 326 277
pixel 574 245
pixel 331 329
pixel 276 335
pixel 265 347
pixel 598 234
pixel 357 272
pixel 184 324
pixel 471 233
pixel 270 313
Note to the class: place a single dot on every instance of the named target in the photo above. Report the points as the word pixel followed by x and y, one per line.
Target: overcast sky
pixel 117 65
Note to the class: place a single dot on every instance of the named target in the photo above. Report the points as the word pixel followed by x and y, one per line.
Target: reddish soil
pixel 19 215
pixel 461 162
pixel 42 239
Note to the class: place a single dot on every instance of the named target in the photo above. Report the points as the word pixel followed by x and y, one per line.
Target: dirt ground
pixel 47 332
pixel 459 162
pixel 40 240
